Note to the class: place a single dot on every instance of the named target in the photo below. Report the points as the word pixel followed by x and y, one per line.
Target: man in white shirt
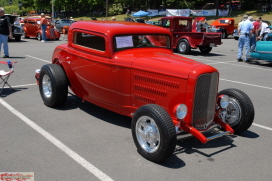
pixel 264 30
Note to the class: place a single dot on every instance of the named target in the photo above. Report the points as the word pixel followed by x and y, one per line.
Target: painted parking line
pixel 39 59
pixel 80 160
pixel 247 84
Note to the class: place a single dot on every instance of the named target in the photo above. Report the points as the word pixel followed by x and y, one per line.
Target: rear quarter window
pixel 90 41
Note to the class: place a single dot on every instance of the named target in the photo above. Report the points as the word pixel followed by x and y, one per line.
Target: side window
pixel 90 41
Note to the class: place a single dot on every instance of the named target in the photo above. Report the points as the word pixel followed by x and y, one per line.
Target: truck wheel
pixel 240 111
pixel 153 133
pixel 224 34
pixel 183 46
pixel 205 49
pixel 53 85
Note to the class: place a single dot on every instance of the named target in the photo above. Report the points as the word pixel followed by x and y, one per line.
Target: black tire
pixel 17 38
pixel 155 118
pixel 53 85
pixel 236 38
pixel 223 35
pixel 24 36
pixel 240 110
pixel 183 47
pixel 39 36
pixel 205 49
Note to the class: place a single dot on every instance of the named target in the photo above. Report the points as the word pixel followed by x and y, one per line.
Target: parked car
pixel 32 29
pixel 224 25
pixel 235 33
pixel 130 68
pixel 17 30
pixel 263 49
pixel 63 22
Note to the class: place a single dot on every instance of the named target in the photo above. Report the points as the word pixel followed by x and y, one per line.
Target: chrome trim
pixel 266 52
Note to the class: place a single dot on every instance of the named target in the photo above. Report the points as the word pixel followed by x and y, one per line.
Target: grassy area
pixel 237 15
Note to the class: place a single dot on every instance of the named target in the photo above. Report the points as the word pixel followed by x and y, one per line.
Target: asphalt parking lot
pixel 80 141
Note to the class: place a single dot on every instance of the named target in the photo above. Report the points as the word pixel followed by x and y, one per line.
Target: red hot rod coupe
pixel 130 68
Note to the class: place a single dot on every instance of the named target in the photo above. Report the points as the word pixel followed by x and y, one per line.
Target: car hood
pixel 12 18
pixel 164 62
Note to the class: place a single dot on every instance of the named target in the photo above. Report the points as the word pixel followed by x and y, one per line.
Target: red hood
pixel 163 62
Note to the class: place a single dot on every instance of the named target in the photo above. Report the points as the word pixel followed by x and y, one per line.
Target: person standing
pixel 264 30
pixel 199 26
pixel 5 32
pixel 256 31
pixel 43 25
pixel 245 31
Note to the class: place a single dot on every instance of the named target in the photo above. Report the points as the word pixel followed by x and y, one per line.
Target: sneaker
pixel 43 41
pixel 239 60
pixel 5 56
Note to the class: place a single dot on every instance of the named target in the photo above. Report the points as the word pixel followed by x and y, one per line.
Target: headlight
pixel 223 101
pixel 181 111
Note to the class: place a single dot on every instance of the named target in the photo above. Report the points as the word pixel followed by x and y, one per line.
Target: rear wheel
pixel 53 85
pixel 183 46
pixel 153 133
pixel 240 111
pixel 205 49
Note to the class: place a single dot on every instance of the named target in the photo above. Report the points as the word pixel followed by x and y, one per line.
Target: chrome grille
pixel 204 101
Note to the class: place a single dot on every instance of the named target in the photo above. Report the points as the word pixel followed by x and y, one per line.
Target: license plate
pixel 212 45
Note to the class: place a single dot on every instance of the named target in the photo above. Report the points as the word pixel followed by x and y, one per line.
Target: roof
pixel 119 27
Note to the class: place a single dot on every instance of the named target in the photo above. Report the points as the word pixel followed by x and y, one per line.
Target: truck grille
pixel 205 97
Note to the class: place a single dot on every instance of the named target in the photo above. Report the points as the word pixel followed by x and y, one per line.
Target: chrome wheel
pixel 234 111
pixel 148 134
pixel 182 47
pixel 240 112
pixel 39 37
pixel 46 86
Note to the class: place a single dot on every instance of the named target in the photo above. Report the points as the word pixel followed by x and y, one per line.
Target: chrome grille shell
pixel 204 100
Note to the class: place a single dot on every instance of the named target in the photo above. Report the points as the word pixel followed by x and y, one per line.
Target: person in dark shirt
pixel 5 32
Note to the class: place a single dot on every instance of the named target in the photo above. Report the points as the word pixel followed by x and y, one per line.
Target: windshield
pixel 66 21
pixel 139 41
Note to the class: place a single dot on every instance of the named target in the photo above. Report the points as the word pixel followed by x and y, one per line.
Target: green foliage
pixel 115 9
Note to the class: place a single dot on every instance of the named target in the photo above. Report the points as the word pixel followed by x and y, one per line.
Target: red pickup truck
pixel 184 39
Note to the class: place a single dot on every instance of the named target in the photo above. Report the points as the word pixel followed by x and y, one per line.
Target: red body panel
pixel 32 29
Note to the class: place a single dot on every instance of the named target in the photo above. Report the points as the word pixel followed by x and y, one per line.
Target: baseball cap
pixel 250 17
pixel 42 14
pixel 245 16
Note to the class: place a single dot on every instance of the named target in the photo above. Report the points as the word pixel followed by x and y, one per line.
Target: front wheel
pixel 205 49
pixel 153 133
pixel 39 36
pixel 240 111
pixel 53 85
